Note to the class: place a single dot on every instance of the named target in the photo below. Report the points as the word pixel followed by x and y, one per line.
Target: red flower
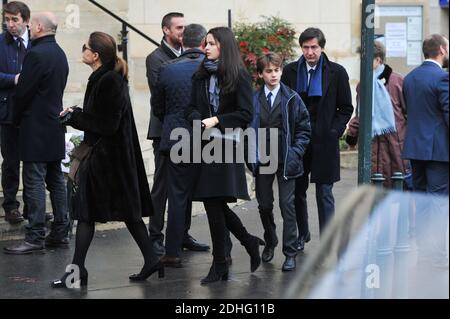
pixel 271 39
pixel 243 44
pixel 265 50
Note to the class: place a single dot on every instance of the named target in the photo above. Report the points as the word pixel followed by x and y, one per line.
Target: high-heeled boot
pixel 147 271
pixel 73 282
pixel 217 272
pixel 252 247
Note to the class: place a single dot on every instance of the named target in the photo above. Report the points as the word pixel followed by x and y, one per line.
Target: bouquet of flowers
pixel 273 34
pixel 72 141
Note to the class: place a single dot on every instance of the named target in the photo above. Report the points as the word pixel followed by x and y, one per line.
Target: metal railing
pixel 124 32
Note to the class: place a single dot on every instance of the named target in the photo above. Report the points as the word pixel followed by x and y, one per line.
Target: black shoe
pixel 191 244
pixel 267 254
pixel 217 272
pixel 148 271
pixel 56 243
pixel 252 248
pixel 62 283
pixel 302 240
pixel 13 217
pixel 24 248
pixel 159 248
pixel 289 264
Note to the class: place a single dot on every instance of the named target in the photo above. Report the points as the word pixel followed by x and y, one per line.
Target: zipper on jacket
pixel 287 136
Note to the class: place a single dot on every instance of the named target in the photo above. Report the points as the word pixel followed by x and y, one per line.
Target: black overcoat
pixel 334 110
pixel 38 101
pixel 114 179
pixel 222 180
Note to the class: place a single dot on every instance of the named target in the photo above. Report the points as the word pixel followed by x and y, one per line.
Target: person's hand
pixel 65 111
pixel 210 122
pixel 16 79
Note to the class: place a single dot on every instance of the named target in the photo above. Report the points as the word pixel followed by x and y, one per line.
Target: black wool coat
pixel 38 100
pixel 114 182
pixel 334 110
pixel 222 180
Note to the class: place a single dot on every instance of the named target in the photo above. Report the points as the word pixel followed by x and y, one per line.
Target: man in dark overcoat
pixel 324 87
pixel 38 103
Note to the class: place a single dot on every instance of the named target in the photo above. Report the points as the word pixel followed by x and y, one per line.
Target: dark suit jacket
pixel 172 94
pixel 9 67
pixel 333 112
pixel 38 102
pixel 426 96
pixel 153 63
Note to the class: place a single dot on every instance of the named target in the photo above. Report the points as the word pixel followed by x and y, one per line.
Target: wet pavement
pixel 113 256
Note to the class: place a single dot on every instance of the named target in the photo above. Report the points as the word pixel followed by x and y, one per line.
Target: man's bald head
pixel 42 24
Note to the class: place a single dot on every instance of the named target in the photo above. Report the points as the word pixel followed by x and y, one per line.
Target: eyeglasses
pixel 85 47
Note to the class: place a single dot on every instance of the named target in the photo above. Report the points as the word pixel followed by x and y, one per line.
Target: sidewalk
pixel 114 255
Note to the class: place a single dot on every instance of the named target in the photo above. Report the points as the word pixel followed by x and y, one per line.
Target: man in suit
pixel 171 48
pixel 13 46
pixel 38 102
pixel 426 144
pixel 170 98
pixel 324 88
pixel 426 96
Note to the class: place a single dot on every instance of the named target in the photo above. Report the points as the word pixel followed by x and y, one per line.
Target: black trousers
pixel 180 188
pixel 159 195
pixel 264 195
pixel 10 166
pixel 324 199
pixel 221 218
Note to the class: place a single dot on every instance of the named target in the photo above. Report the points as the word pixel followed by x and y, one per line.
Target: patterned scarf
pixel 214 89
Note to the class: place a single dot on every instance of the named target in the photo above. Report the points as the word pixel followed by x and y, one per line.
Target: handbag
pixel 79 155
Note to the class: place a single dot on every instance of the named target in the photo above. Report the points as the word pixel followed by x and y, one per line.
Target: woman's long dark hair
pixel 105 46
pixel 229 60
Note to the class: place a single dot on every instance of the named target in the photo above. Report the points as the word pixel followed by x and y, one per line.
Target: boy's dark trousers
pixel 264 195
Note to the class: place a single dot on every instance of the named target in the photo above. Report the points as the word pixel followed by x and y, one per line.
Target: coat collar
pixel 386 75
pixel 167 50
pixel 45 39
pixel 99 72
pixel 10 39
pixel 192 54
pixel 327 74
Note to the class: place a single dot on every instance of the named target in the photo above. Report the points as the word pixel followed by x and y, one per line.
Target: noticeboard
pixel 400 28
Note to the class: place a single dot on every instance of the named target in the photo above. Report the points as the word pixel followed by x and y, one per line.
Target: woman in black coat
pixel 222 98
pixel 112 183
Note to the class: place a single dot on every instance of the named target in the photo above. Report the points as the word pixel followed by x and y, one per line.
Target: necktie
pixel 311 72
pixel 21 51
pixel 269 100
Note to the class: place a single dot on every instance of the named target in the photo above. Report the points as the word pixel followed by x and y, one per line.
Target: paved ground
pixel 114 255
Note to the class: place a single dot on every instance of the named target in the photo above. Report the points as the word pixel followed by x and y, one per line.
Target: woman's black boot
pixel 148 271
pixel 252 247
pixel 217 272
pixel 73 282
